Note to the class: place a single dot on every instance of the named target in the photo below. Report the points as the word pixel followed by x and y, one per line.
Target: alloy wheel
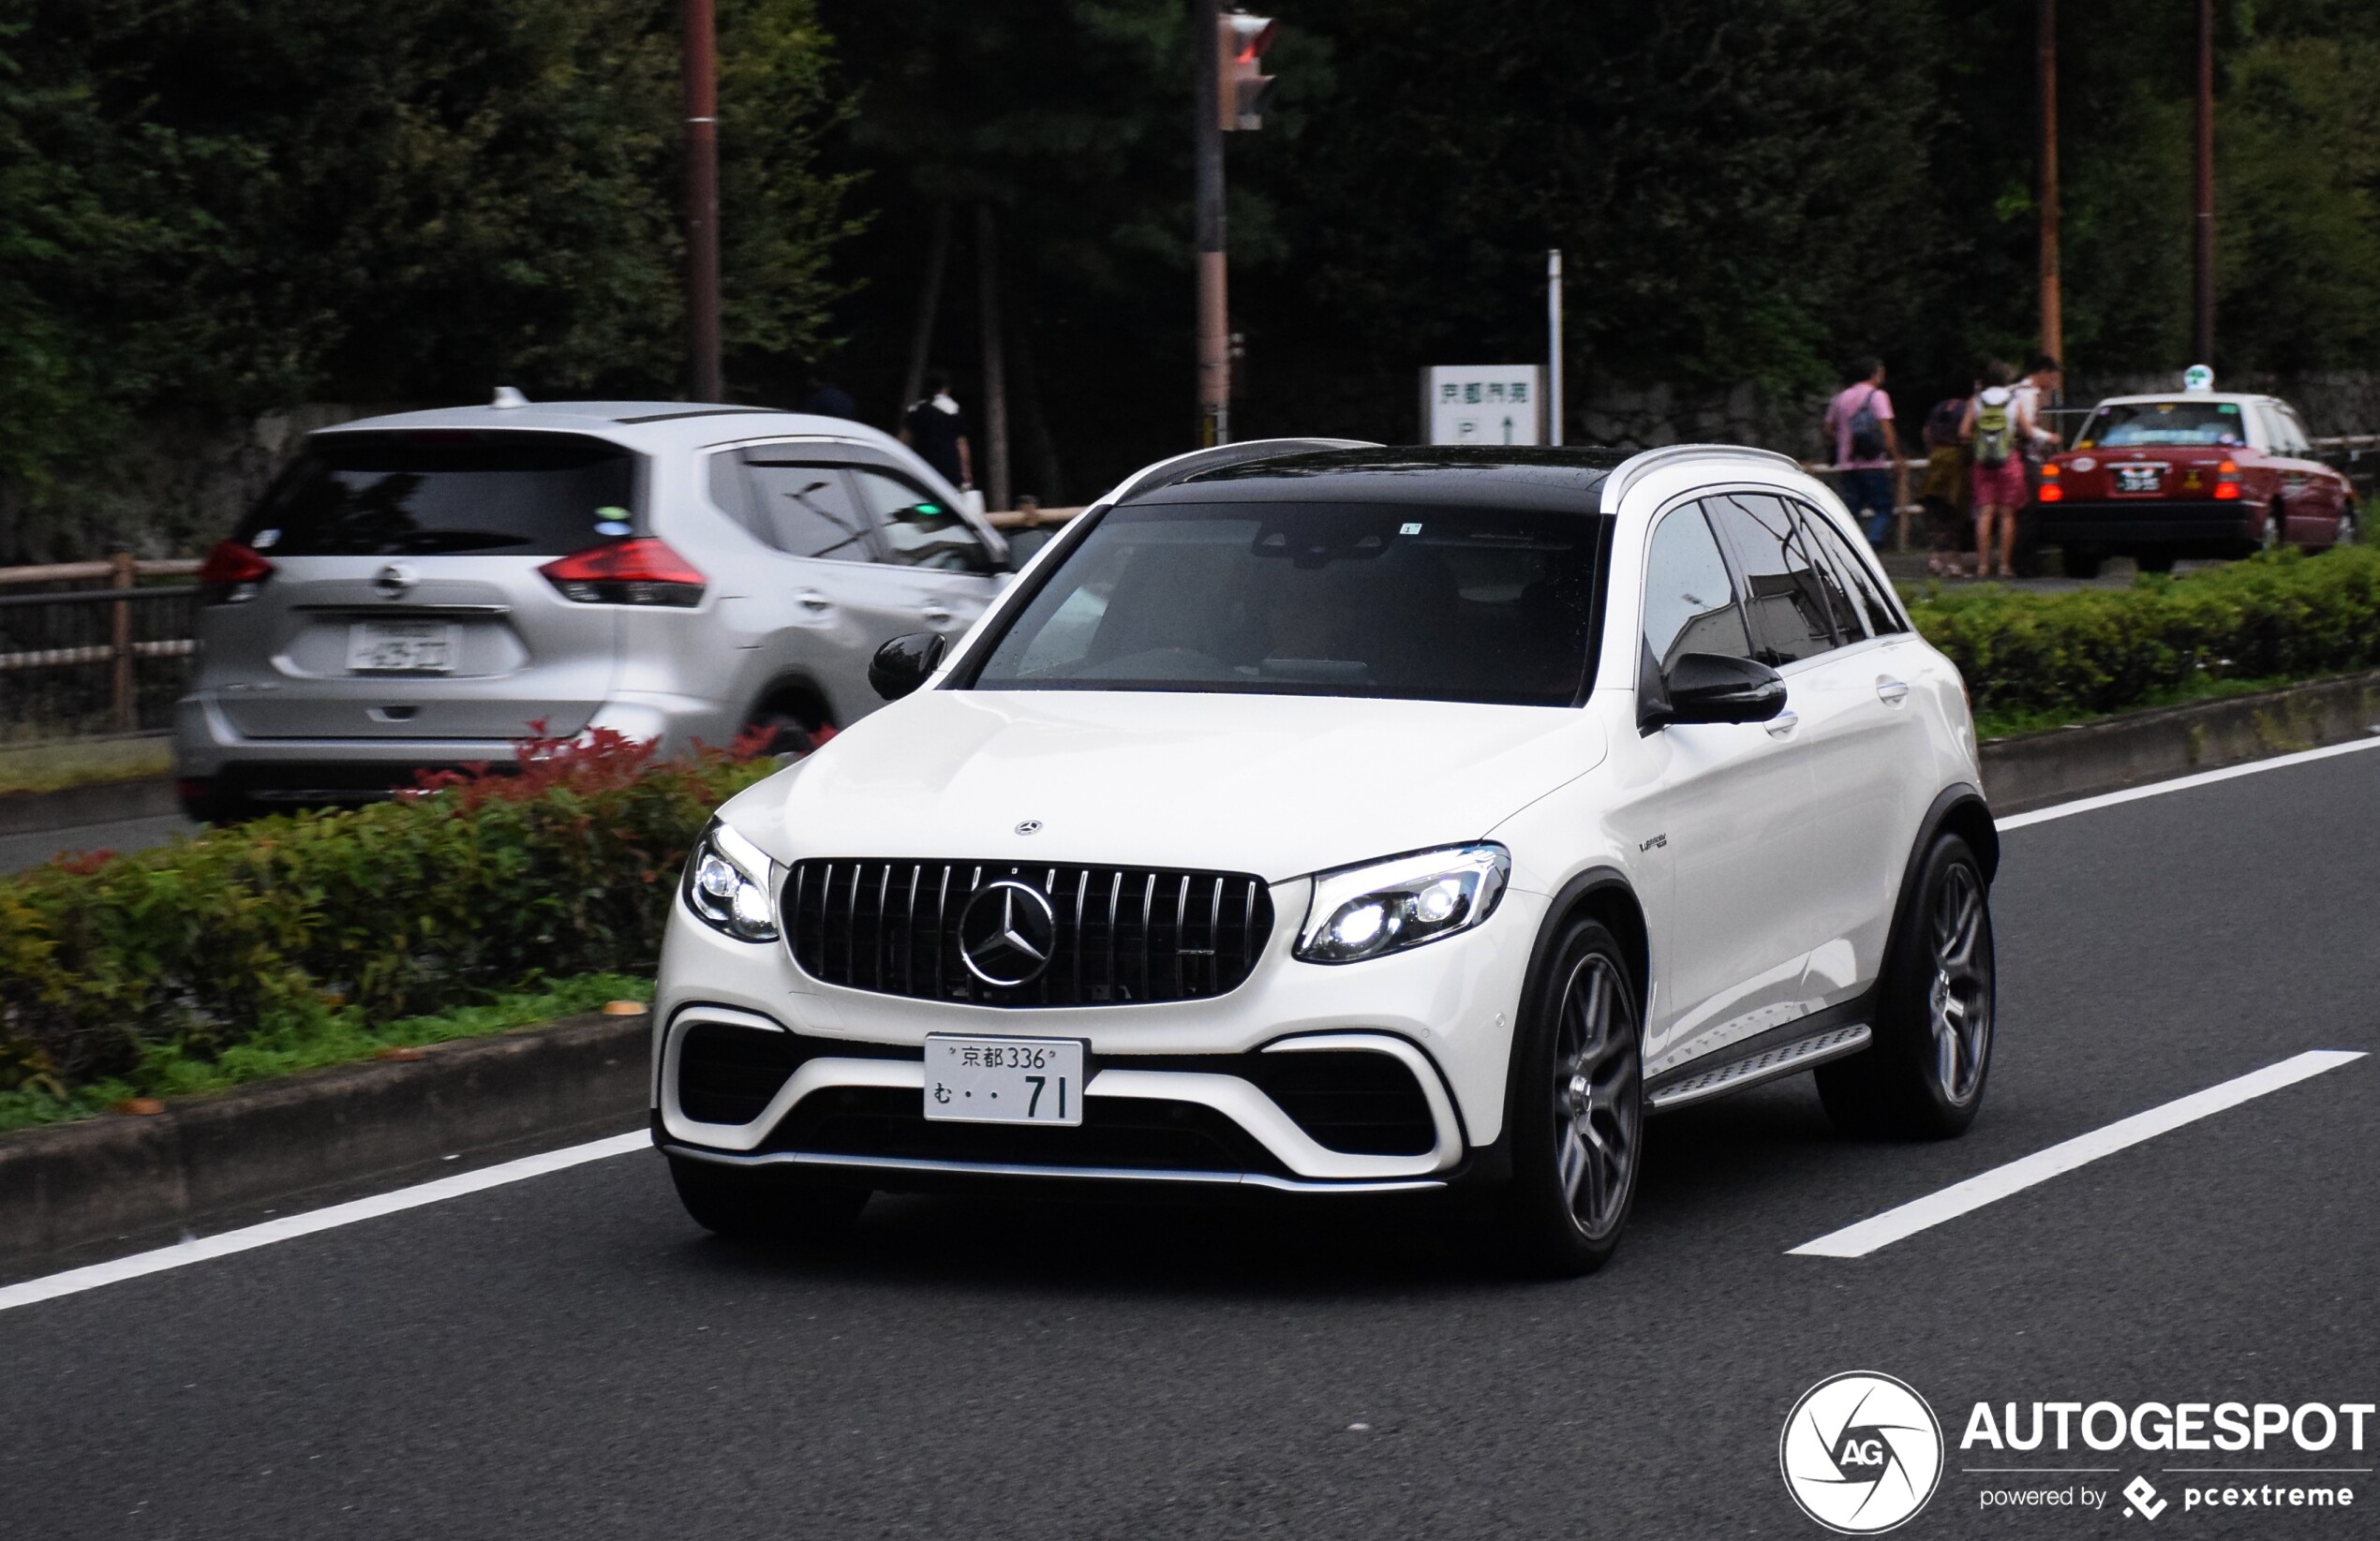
pixel 1959 1001
pixel 1599 1115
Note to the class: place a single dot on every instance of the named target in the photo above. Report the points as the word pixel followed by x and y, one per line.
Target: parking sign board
pixel 1482 404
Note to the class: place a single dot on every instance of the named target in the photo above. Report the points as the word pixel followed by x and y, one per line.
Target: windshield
pixel 1347 599
pixel 435 491
pixel 2154 423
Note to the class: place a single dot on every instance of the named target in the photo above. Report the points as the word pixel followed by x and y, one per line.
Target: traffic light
pixel 1245 88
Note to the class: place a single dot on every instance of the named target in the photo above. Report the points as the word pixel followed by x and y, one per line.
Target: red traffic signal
pixel 1244 89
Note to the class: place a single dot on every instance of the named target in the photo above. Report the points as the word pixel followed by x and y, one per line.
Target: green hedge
pixel 2282 615
pixel 481 883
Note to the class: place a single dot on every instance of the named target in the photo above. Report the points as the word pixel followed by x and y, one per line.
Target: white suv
pixel 1352 819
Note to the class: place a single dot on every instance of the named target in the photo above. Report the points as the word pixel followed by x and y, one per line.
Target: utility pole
pixel 1554 345
pixel 1214 342
pixel 2202 309
pixel 2053 321
pixel 701 53
pixel 995 418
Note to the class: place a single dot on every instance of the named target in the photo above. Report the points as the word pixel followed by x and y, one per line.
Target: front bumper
pixel 2146 522
pixel 1178 1093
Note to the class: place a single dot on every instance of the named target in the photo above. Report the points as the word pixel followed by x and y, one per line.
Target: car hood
pixel 1279 786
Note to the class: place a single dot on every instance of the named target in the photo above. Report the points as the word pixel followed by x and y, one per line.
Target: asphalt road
pixel 568 1357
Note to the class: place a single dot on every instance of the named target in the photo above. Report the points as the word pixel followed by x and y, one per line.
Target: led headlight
pixel 727 885
pixel 1385 906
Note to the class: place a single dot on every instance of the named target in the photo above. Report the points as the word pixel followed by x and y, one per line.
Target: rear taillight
pixel 2050 490
pixel 232 574
pixel 640 571
pixel 2227 480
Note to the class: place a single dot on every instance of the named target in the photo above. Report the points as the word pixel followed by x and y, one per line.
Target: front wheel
pixel 2348 531
pixel 749 1204
pixel 1577 1109
pixel 1923 1077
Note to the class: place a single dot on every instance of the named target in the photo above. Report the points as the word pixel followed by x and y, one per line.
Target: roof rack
pixel 1638 465
pixel 1165 473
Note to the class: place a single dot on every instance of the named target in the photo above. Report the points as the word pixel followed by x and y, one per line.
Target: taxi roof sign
pixel 2199 376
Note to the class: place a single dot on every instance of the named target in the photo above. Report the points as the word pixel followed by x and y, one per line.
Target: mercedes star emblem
pixel 1006 934
pixel 1029 826
pixel 393 579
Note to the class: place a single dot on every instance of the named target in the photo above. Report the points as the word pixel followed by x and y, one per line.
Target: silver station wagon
pixel 424 589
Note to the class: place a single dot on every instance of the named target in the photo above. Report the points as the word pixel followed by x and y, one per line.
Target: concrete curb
pixel 2034 770
pixel 75 1184
pixel 98 803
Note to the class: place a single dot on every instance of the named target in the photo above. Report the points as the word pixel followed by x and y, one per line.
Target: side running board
pixel 1767 1065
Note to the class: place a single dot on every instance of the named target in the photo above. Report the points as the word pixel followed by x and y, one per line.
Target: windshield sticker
pixel 1409 529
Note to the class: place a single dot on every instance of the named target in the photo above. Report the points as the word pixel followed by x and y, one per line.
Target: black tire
pixel 2077 562
pixel 1924 1075
pixel 2154 561
pixel 1576 1110
pixel 779 735
pixel 748 1204
pixel 2350 531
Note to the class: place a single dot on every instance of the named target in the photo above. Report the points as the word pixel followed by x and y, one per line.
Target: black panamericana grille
pixel 1124 935
pixel 729 1072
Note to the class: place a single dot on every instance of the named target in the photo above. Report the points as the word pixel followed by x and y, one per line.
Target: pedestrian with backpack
pixel 1859 425
pixel 1994 428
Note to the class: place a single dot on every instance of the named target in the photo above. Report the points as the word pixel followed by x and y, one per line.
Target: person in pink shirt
pixel 1859 425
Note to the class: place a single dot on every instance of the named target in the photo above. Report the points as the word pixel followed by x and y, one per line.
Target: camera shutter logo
pixel 1861 1453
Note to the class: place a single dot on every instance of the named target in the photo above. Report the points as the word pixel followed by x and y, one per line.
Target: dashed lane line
pixel 1960 1198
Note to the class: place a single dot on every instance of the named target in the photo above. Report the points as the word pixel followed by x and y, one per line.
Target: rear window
pixel 432 492
pixel 2147 423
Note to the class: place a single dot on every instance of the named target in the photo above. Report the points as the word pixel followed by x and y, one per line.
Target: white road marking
pixel 289 1227
pixel 1989 1187
pixel 2183 783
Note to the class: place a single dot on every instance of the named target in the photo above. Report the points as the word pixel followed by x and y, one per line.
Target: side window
pixel 2293 431
pixel 1787 597
pixel 808 509
pixel 1689 600
pixel 1854 585
pixel 733 493
pixel 920 530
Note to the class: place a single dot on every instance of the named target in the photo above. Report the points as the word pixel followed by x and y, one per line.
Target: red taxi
pixel 2200 473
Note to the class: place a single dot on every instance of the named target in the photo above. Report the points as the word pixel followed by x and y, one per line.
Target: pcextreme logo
pixel 1861 1452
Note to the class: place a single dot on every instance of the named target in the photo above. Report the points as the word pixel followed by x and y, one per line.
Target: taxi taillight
pixel 2227 480
pixel 2050 490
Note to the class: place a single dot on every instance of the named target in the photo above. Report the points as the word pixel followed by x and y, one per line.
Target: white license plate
pixel 2139 478
pixel 1003 1080
pixel 403 647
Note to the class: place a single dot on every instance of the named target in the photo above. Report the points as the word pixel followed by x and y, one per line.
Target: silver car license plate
pixel 2139 478
pixel 402 648
pixel 1003 1080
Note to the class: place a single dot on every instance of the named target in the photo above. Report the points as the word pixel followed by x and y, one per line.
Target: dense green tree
pixel 237 204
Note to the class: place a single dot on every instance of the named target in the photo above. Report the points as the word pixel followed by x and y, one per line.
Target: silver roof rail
pixel 1635 466
pixel 1182 468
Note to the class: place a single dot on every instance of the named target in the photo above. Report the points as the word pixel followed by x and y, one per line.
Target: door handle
pixel 810 598
pixel 1781 724
pixel 1890 692
pixel 935 614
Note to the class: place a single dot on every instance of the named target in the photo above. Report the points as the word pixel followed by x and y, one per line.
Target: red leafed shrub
pixel 484 879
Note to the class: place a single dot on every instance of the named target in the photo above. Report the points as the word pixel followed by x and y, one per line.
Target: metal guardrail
pixel 77 661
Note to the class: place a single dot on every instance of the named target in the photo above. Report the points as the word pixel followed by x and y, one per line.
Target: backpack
pixel 1868 439
pixel 1942 424
pixel 1995 427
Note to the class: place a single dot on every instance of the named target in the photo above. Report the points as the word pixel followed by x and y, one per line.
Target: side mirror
pixel 908 661
pixel 1713 688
